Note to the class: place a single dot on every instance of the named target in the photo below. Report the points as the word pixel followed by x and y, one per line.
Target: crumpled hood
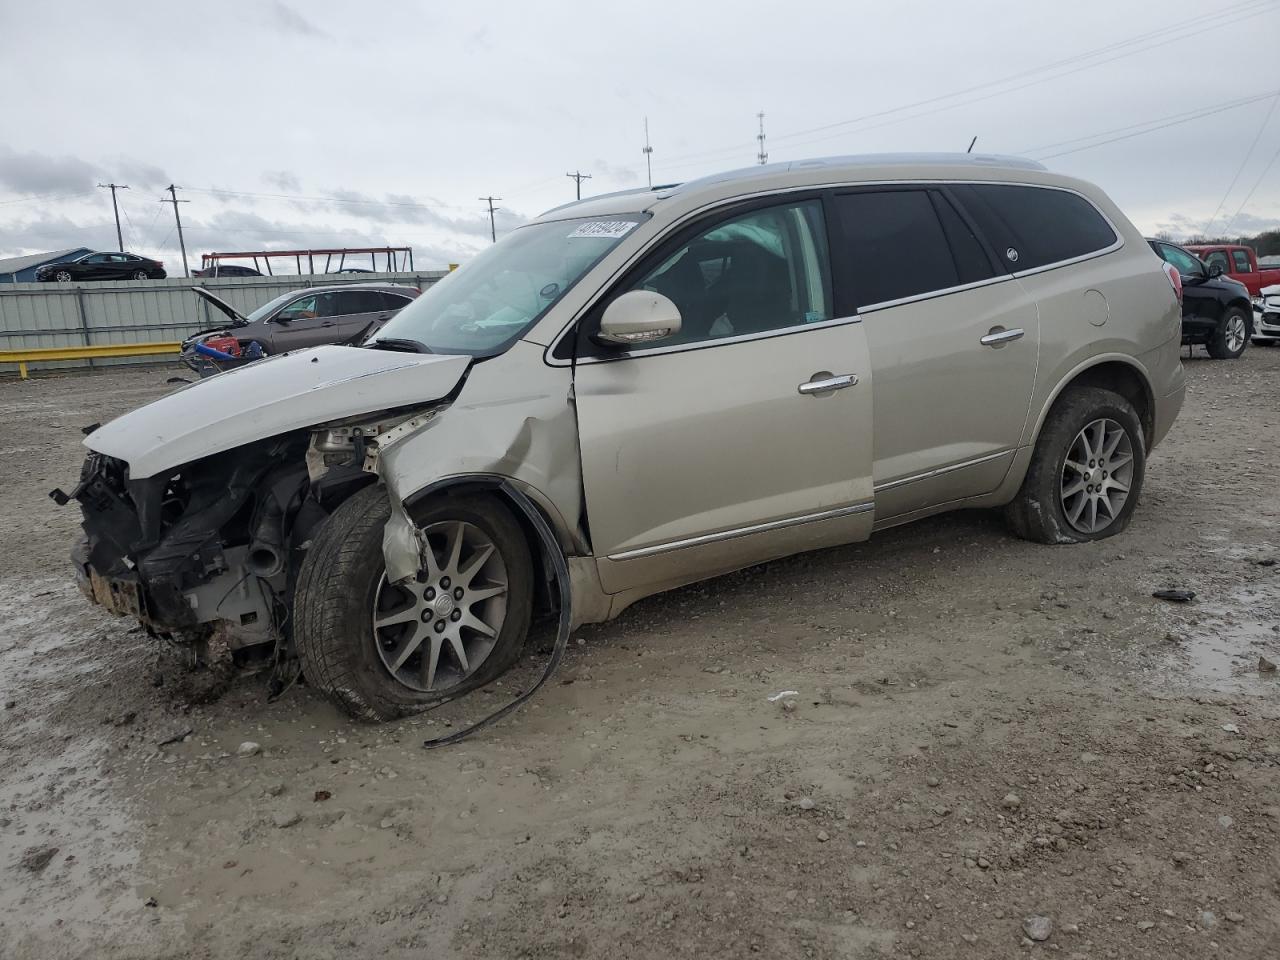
pixel 271 397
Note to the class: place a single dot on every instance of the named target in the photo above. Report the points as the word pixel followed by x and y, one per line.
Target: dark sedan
pixel 102 266
pixel 1216 310
pixel 226 270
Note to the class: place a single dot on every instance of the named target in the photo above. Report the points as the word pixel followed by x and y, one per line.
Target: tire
pixel 1040 510
pixel 1231 337
pixel 342 578
pixel 140 275
pixel 63 276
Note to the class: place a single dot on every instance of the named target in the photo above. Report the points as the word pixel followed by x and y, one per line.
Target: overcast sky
pixel 328 123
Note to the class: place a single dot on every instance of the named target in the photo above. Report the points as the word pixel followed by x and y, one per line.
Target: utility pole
pixel 493 231
pixel 761 157
pixel 648 153
pixel 113 187
pixel 173 198
pixel 578 176
pixel 971 143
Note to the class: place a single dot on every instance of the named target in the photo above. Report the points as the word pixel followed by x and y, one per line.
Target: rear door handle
pixel 825 383
pixel 999 336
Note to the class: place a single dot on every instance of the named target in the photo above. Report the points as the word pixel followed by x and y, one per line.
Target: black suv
pixel 1216 310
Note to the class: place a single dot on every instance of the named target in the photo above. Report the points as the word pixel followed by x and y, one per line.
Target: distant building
pixel 23 269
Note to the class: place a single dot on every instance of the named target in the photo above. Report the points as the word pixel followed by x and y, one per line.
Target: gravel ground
pixel 989 739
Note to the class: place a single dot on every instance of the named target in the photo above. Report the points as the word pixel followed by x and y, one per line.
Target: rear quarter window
pixel 1036 226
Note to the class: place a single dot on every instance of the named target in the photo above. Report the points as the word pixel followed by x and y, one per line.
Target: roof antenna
pixel 971 143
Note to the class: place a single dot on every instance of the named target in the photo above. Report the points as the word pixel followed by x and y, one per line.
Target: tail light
pixel 1175 279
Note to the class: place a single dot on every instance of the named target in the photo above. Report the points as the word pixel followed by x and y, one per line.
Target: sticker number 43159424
pixel 603 229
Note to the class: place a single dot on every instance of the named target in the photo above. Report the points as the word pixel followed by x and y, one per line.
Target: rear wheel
pixel 382 650
pixel 1086 472
pixel 1231 337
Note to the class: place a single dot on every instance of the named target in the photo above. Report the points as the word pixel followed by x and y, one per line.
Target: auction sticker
pixel 603 229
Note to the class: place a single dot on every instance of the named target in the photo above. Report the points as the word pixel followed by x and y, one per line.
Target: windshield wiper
pixel 395 343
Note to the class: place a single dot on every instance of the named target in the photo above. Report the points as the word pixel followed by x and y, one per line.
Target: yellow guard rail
pixel 37 354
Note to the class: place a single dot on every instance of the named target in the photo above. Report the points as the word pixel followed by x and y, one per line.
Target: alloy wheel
pixel 1235 332
pixel 435 631
pixel 140 275
pixel 1096 475
pixel 62 276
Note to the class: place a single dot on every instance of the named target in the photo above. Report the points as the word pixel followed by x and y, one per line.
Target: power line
pixel 493 230
pixel 134 235
pixel 1151 129
pixel 1214 20
pixel 1243 163
pixel 577 177
pixel 113 187
pixel 1201 23
pixel 323 199
pixel 182 243
pixel 48 196
pixel 1249 196
pixel 1191 114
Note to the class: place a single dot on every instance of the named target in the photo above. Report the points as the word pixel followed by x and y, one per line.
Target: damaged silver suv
pixel 638 391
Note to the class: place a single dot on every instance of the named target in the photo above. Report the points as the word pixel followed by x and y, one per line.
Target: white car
pixel 1266 316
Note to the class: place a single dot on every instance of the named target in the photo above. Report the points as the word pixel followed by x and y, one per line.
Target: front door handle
pixel 999 336
pixel 825 383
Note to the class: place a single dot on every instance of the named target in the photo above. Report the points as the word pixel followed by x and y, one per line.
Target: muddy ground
pixel 983 730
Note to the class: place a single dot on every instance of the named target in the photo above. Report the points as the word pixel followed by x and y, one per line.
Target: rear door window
pixel 393 301
pixel 1242 262
pixel 1035 226
pixel 358 301
pixel 903 243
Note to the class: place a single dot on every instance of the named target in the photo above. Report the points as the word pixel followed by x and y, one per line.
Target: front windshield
pixel 484 307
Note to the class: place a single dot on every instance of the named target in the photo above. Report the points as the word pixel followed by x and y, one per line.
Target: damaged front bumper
pixel 188 552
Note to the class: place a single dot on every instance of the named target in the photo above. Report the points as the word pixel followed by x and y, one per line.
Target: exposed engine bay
pixel 214 546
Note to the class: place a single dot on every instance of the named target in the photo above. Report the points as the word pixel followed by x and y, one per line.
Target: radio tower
pixel 648 153
pixel 762 156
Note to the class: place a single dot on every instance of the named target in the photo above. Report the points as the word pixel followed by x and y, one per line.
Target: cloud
pixel 38 173
pixel 623 176
pixel 35 174
pixel 291 21
pixel 1180 227
pixel 47 233
pixel 282 180
pixel 139 175
pixel 230 230
pixel 401 208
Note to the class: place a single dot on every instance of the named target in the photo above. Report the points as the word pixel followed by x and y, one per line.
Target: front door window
pixel 757 272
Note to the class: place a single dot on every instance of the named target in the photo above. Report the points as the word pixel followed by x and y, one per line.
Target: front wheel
pixel 1231 337
pixel 382 650
pixel 1086 472
pixel 63 276
pixel 140 275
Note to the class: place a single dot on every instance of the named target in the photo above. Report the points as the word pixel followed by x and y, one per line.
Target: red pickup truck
pixel 1238 263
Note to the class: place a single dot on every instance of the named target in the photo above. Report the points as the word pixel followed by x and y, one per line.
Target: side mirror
pixel 638 317
pixel 279 318
pixel 1215 270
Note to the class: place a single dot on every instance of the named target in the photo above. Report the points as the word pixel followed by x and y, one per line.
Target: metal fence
pixel 142 311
